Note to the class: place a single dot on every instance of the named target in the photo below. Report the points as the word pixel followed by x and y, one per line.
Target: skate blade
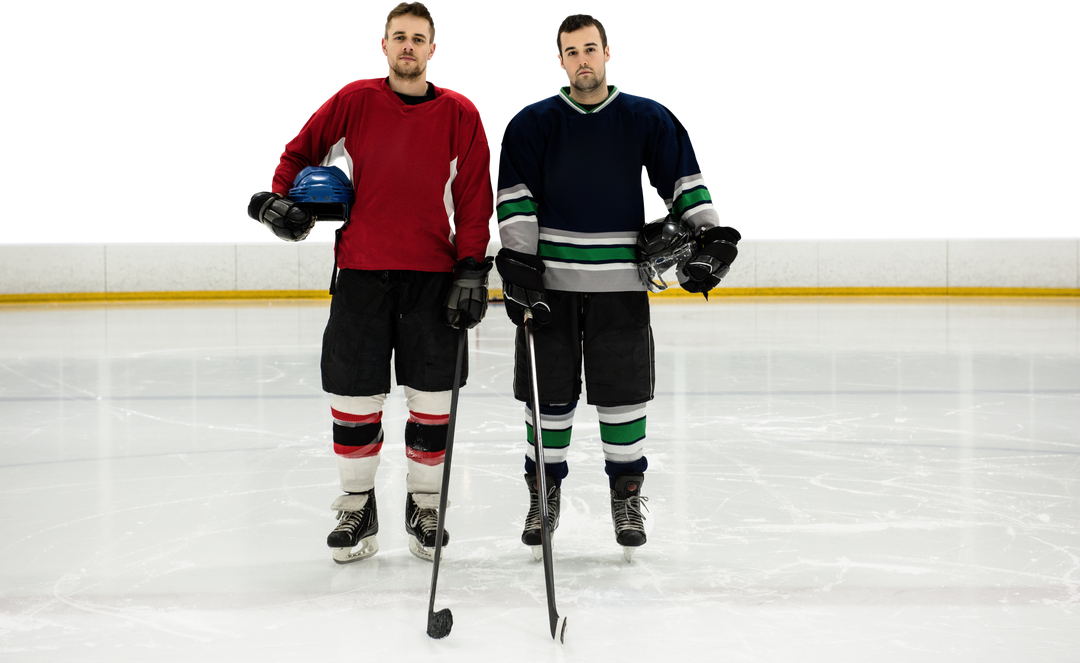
pixel 628 553
pixel 423 552
pixel 366 548
pixel 538 551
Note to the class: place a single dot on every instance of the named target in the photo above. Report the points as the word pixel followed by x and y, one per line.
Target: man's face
pixel 408 46
pixel 583 58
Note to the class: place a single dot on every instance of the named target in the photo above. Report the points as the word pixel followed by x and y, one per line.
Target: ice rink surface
pixel 830 480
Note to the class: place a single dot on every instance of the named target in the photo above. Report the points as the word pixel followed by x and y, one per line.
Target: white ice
pixel 830 480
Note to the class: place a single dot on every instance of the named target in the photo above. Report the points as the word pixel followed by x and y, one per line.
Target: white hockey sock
pixel 622 431
pixel 358 438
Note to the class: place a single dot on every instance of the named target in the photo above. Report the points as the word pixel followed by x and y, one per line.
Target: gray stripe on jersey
pixel 513 193
pixel 702 216
pixel 621 277
pixel 583 239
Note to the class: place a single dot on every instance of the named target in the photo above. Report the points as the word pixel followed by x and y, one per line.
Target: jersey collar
pixel 564 94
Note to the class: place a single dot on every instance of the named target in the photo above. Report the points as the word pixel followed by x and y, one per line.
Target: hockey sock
pixel 615 470
pixel 622 431
pixel 554 472
pixel 557 422
pixel 358 438
pixel 425 439
pixel 357 445
pixel 425 451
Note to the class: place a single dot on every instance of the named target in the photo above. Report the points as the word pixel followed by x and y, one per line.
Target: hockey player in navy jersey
pixel 406 280
pixel 570 207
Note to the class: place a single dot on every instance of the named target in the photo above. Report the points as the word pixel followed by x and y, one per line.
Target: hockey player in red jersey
pixel 406 280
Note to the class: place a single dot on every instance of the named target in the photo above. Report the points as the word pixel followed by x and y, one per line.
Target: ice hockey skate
pixel 531 534
pixel 626 516
pixel 358 523
pixel 421 522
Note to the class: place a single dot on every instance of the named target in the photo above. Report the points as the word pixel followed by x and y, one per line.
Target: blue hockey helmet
pixel 325 191
pixel 663 244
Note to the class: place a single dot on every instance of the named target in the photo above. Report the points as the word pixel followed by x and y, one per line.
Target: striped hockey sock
pixel 622 431
pixel 357 443
pixel 425 451
pixel 557 422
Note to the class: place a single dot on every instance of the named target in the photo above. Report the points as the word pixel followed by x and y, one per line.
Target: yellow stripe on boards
pixel 186 295
pixel 495 295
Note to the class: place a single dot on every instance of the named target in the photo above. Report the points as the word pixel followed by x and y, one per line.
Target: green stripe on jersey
pixel 689 199
pixel 627 433
pixel 587 253
pixel 523 206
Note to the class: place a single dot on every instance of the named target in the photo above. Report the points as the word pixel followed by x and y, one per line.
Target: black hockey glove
pixel 282 216
pixel 523 286
pixel 468 299
pixel 713 260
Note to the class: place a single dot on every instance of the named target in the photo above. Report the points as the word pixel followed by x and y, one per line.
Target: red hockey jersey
pixel 413 167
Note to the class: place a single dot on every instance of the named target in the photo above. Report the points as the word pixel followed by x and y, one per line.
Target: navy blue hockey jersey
pixel 570 186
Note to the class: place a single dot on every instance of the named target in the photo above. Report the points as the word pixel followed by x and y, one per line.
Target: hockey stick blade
pixel 556 623
pixel 439 623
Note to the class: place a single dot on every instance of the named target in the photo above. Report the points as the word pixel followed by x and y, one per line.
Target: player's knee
pixel 428 402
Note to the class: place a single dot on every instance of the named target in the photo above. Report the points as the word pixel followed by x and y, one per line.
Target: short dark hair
pixel 410 8
pixel 577 22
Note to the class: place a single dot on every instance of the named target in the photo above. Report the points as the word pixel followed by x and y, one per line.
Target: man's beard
pixel 590 84
pixel 407 75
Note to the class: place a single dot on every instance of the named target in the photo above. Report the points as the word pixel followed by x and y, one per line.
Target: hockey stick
pixel 439 623
pixel 557 623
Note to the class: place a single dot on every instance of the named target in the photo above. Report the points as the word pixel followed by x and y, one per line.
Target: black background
pixel 806 124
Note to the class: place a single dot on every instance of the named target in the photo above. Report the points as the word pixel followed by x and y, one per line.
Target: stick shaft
pixel 440 528
pixel 541 474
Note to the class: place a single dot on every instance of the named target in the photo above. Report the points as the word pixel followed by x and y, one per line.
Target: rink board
pixel 86 272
